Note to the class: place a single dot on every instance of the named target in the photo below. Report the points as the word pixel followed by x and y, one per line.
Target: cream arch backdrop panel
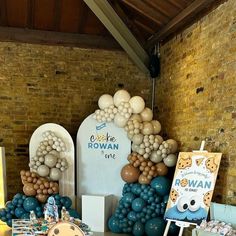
pixel 102 151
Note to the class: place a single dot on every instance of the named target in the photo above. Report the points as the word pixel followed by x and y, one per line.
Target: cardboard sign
pixel 192 187
pixel 102 149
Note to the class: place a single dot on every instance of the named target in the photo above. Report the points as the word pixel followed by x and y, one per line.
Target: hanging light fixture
pixel 2 177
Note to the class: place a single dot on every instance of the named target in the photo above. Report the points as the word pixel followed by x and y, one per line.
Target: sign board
pixel 192 186
pixel 102 151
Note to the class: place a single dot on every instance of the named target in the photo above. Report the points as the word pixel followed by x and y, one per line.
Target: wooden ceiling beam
pixel 10 34
pixel 177 21
pixel 106 14
pixel 147 11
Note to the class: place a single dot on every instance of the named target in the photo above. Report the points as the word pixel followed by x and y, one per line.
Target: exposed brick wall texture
pixel 196 92
pixel 41 84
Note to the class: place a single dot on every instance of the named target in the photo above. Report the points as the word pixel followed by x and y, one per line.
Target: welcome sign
pixel 102 150
pixel 192 186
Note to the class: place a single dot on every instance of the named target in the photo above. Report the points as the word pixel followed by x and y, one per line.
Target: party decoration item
pixel 137 104
pixel 137 208
pixel 146 114
pixel 170 160
pixel 105 101
pixel 129 173
pixel 120 120
pixel 34 185
pixel 157 128
pixel 121 96
pixel 172 145
pixel 106 115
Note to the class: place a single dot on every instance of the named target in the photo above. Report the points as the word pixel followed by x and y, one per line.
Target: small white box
pixel 96 210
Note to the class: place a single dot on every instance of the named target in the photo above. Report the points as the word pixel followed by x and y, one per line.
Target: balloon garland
pixel 142 205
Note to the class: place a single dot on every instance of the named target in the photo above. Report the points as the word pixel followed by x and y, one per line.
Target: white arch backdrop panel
pixel 67 182
pixel 102 151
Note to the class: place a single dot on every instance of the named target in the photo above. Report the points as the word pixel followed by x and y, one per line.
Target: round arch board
pixel 67 182
pixel 102 151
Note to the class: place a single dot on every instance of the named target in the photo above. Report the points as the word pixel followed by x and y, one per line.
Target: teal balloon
pixel 155 227
pixel 67 202
pixel 138 204
pixel 74 213
pixel 113 225
pixel 25 216
pixel 18 196
pixel 9 205
pixel 132 216
pixel 128 198
pixel 9 222
pixel 173 229
pixel 162 185
pixel 30 204
pixel 138 229
pixel 19 211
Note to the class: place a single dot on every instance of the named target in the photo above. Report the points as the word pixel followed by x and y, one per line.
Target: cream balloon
pixel 55 174
pixel 134 147
pixel 50 160
pixel 160 139
pixel 146 114
pixel 173 145
pixel 120 120
pixel 147 128
pixel 155 158
pixel 156 126
pixel 105 101
pixel 121 96
pixel 43 170
pixel 137 139
pixel 136 117
pixel 170 160
pixel 137 104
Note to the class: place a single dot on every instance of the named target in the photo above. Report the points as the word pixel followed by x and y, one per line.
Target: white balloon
pixel 134 147
pixel 170 160
pixel 159 138
pixel 156 126
pixel 105 101
pixel 155 158
pixel 43 170
pixel 146 114
pixel 121 96
pixel 137 104
pixel 136 117
pixel 120 120
pixel 173 145
pixel 147 128
pixel 50 160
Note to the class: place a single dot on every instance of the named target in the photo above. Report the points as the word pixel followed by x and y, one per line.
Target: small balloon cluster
pixel 131 114
pixel 37 186
pixel 141 208
pixel 47 161
pixel 21 205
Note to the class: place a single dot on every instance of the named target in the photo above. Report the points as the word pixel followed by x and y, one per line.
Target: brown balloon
pixel 42 197
pixel 29 190
pixel 129 173
pixel 161 169
pixel 22 172
pixel 143 180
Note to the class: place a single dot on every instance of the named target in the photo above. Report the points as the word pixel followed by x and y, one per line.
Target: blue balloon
pixel 19 211
pixel 3 212
pixel 74 213
pixel 25 216
pixel 9 216
pixel 4 218
pixel 9 222
pixel 15 201
pixel 66 202
pixel 161 184
pixel 114 225
pixel 155 227
pixel 9 205
pixel 18 196
pixel 138 204
pixel 30 204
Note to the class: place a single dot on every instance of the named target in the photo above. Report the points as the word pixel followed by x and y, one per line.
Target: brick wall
pixel 196 95
pixel 41 84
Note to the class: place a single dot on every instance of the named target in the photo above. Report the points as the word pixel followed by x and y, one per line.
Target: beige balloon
pixel 155 158
pixel 173 145
pixel 121 96
pixel 43 170
pixel 156 126
pixel 136 117
pixel 50 160
pixel 146 114
pixel 120 120
pixel 147 128
pixel 55 174
pixel 137 139
pixel 105 101
pixel 137 104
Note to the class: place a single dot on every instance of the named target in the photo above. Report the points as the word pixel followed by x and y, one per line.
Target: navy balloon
pixel 30 203
pixel 161 184
pixel 138 229
pixel 113 225
pixel 155 227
